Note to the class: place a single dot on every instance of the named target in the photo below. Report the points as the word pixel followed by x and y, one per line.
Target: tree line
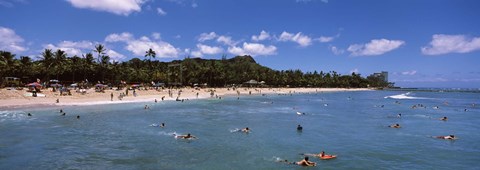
pixel 97 67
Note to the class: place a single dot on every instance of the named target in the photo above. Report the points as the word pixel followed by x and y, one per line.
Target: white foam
pixel 12 115
pixel 403 96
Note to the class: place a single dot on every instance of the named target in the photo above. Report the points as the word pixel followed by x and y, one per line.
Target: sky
pixel 421 43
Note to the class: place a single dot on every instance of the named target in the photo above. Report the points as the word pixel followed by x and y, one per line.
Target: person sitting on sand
pixel 299 128
pixel 395 126
pixel 444 118
pixel 305 162
pixel 449 137
pixel 188 136
pixel 246 130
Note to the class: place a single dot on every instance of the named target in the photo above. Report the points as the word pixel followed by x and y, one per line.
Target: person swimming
pixel 449 137
pixel 299 128
pixel 146 107
pixel 188 136
pixel 305 162
pixel 395 126
pixel 246 130
pixel 444 118
pixel 63 114
pixel 399 115
pixel 78 116
pixel 29 114
pixel 162 125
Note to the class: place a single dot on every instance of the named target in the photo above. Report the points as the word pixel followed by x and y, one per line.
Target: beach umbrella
pixel 34 84
pixel 99 85
pixel 55 85
pixel 159 85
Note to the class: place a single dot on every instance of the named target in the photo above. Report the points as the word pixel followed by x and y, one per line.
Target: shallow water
pixel 352 125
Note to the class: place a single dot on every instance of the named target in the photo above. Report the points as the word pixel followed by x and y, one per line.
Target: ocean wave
pixel 403 96
pixel 12 115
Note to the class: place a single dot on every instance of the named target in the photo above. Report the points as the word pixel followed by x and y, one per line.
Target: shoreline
pixel 16 99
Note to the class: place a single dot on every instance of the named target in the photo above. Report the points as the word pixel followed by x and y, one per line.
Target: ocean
pixel 351 125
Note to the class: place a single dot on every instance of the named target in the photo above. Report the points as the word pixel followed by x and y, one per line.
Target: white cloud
pixel 324 39
pixel 10 41
pixel 374 47
pixel 114 56
pixel 299 38
pixel 253 49
pixel 78 44
pixel 226 40
pixel 263 36
pixel 197 54
pixel 156 35
pixel 443 44
pixel 161 12
pixel 207 36
pixel 119 7
pixel 139 46
pixel 336 50
pixel 123 37
pixel 410 73
pixel 161 48
pixel 194 4
pixel 72 48
pixel 205 49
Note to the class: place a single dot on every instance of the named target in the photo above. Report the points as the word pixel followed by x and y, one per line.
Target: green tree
pixel 59 60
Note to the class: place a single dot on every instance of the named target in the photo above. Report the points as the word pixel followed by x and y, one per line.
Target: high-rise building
pixel 382 75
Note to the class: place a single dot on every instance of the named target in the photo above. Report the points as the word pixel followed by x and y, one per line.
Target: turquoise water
pixel 352 125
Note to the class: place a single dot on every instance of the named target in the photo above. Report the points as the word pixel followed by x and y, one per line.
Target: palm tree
pixel 59 61
pixel 100 49
pixel 87 64
pixel 7 61
pixel 47 62
pixel 75 64
pixel 25 66
pixel 150 53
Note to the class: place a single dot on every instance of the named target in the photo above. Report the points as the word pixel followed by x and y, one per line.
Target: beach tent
pixel 34 84
pixel 74 85
pixel 159 85
pixel 55 85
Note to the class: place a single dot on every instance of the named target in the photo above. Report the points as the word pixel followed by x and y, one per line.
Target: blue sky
pixel 426 43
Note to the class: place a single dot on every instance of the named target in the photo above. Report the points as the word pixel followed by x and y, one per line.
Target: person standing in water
pixel 299 128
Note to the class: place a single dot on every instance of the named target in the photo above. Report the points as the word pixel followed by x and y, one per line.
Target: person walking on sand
pixel 111 96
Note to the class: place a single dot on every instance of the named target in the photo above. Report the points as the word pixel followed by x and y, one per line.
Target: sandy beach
pixel 11 98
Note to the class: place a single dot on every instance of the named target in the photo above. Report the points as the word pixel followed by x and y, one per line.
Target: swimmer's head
pixel 306 158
